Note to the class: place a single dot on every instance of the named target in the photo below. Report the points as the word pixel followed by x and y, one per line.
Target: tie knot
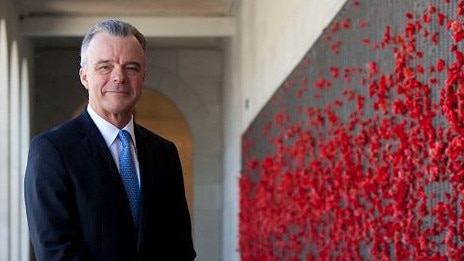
pixel 125 137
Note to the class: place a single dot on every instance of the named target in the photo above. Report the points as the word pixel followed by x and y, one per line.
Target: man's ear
pixel 83 77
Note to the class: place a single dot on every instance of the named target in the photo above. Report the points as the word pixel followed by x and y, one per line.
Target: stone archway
pixel 159 114
pixel 196 90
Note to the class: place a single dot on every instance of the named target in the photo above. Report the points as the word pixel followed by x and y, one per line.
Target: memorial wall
pixel 359 155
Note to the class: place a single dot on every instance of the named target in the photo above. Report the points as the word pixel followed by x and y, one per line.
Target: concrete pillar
pixel 4 145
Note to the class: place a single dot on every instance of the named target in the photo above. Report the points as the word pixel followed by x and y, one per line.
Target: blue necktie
pixel 129 175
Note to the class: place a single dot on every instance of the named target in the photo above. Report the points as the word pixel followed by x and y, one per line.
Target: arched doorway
pixel 159 114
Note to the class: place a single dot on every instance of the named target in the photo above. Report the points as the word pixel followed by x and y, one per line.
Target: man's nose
pixel 118 74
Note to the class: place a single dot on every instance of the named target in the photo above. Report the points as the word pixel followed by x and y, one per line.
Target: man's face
pixel 113 73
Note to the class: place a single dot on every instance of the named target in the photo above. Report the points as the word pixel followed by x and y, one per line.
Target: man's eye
pixel 132 69
pixel 104 69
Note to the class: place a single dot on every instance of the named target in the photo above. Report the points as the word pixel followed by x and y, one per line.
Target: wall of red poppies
pixel 359 155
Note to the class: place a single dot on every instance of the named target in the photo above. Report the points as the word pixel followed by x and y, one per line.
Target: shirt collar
pixel 108 130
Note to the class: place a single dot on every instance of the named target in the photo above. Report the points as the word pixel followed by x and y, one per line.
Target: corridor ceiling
pixel 163 8
pixel 64 20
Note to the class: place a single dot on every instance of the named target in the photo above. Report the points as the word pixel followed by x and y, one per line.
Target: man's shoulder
pixel 62 132
pixel 150 136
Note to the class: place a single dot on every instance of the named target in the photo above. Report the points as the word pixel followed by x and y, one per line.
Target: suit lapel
pixel 112 187
pixel 144 179
pixel 148 162
pixel 94 142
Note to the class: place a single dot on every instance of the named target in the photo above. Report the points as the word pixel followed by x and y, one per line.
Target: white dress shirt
pixel 110 134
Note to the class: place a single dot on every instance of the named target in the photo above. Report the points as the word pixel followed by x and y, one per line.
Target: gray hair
pixel 113 27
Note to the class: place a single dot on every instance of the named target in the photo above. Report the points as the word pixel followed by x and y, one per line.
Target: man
pixel 101 187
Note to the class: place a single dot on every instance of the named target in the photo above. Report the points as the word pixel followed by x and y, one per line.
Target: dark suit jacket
pixel 76 204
